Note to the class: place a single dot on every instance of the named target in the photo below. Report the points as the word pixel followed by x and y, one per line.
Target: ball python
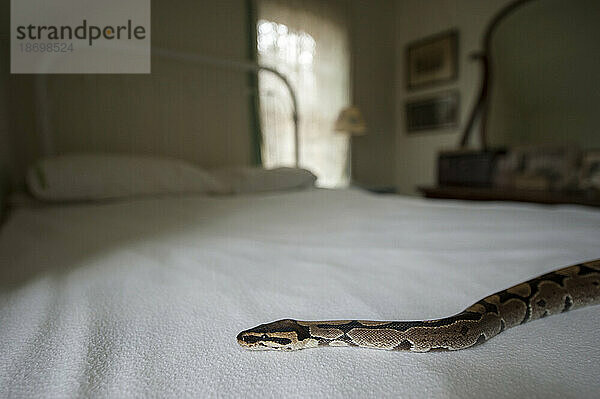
pixel 555 292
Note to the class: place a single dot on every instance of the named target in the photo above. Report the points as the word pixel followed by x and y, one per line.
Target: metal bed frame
pixel 42 109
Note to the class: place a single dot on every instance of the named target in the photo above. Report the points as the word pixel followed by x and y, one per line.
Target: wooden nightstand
pixel 494 194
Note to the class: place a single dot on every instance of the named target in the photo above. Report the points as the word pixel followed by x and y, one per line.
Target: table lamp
pixel 351 122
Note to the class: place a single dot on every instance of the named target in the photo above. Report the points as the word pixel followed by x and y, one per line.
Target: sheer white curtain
pixel 308 41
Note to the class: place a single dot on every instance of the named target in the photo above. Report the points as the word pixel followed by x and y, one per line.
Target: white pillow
pixel 241 180
pixel 105 176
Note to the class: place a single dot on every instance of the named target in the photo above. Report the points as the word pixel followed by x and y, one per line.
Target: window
pixel 308 42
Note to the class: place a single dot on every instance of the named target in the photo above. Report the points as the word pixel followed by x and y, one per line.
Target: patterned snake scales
pixel 555 292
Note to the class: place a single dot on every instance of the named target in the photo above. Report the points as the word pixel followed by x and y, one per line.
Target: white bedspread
pixel 145 298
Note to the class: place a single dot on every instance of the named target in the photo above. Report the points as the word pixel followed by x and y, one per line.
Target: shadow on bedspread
pixel 53 241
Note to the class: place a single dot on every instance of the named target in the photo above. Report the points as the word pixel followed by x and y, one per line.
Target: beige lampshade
pixel 351 121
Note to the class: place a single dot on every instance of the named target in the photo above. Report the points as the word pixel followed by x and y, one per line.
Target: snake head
pixel 286 334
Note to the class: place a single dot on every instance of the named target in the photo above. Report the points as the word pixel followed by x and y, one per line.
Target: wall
pixel 5 145
pixel 373 37
pixel 547 86
pixel 196 113
pixel 416 153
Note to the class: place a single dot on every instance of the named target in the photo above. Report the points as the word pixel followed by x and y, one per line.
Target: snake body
pixel 552 293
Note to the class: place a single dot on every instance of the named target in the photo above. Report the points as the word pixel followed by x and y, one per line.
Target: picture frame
pixel 437 111
pixel 432 60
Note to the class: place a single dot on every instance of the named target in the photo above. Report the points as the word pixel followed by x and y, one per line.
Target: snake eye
pixel 264 336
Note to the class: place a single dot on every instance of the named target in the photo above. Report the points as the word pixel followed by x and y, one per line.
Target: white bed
pixel 145 297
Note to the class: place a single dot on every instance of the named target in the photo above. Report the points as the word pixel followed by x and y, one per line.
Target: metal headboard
pixel 42 108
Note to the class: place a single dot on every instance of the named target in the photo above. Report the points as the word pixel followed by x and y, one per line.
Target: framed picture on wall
pixel 432 60
pixel 434 112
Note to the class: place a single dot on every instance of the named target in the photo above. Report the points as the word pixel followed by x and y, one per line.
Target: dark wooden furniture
pixel 495 194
